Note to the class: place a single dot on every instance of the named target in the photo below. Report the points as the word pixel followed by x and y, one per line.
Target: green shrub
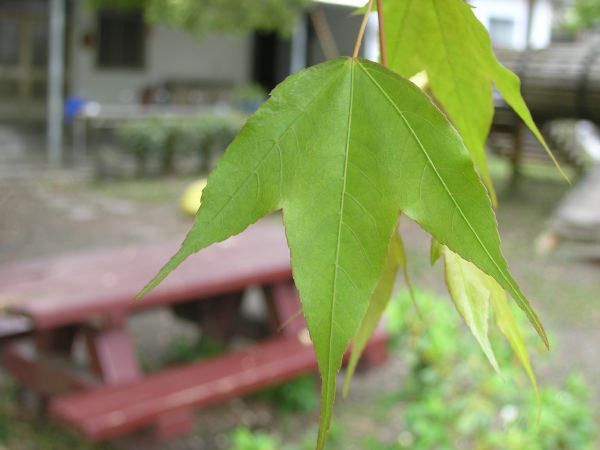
pixel 296 396
pixel 244 439
pixel 142 138
pixel 211 134
pixel 453 400
pixel 166 139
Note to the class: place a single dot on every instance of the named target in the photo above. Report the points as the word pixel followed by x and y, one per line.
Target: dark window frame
pixel 106 59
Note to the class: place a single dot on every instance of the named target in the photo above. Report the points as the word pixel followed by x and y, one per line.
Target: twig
pixel 324 34
pixel 382 46
pixel 362 29
pixel 289 320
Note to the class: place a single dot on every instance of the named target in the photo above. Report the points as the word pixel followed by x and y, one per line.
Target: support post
pixel 299 46
pixel 56 81
pixel 530 13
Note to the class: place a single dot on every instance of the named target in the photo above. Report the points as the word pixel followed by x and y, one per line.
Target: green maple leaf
pixel 444 38
pixel 342 148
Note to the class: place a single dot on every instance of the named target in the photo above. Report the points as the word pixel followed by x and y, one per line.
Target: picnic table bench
pixel 90 295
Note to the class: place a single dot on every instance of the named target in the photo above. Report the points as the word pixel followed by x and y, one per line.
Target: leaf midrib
pixel 339 232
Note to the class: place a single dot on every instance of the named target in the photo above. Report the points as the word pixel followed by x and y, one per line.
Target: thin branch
pixel 324 33
pixel 382 46
pixel 289 320
pixel 362 29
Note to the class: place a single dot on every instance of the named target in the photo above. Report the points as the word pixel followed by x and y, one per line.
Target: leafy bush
pixel 295 396
pixel 454 401
pixel 582 14
pixel 142 138
pixel 232 16
pixel 167 139
pixel 244 439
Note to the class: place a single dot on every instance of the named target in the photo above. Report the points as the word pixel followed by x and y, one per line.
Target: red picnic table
pixel 91 295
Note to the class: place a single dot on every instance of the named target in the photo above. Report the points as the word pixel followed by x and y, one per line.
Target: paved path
pixel 578 216
pixel 46 211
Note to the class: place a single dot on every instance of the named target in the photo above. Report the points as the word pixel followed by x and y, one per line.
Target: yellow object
pixel 421 80
pixel 190 200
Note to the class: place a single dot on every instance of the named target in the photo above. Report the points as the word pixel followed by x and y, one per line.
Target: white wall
pixel 516 11
pixel 170 54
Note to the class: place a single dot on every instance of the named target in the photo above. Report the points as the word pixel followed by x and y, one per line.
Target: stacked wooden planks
pixel 561 81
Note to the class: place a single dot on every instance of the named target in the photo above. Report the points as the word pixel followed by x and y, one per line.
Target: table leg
pixel 112 355
pixel 284 303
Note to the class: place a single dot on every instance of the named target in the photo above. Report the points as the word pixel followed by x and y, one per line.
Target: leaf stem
pixel 382 45
pixel 361 31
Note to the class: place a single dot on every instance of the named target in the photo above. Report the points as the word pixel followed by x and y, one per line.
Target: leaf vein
pixel 363 207
pixel 360 242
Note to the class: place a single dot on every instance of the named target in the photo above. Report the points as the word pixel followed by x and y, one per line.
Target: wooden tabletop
pixel 77 288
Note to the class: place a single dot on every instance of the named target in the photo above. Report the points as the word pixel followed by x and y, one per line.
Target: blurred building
pixel 54 49
pixel 508 21
pixel 109 57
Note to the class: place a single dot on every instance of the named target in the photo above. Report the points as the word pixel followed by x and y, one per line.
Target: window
pixel 9 42
pixel 121 40
pixel 39 43
pixel 502 31
pixel 23 55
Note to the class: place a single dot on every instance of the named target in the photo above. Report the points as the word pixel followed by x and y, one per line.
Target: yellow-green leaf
pixel 444 38
pixel 435 251
pixel 471 296
pixel 508 326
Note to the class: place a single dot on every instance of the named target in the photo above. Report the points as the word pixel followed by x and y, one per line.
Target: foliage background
pixel 584 14
pixel 203 16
